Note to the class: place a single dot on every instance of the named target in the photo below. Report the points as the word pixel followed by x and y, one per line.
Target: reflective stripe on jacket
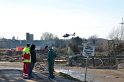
pixel 26 55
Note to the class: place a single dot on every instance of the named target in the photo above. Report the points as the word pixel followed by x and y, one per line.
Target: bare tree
pixel 115 34
pixel 117 38
pixel 48 36
pixel 93 39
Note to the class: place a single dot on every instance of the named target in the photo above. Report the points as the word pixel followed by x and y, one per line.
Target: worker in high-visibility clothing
pixel 26 58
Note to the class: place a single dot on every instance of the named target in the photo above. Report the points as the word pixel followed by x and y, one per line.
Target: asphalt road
pixel 12 72
pixel 15 75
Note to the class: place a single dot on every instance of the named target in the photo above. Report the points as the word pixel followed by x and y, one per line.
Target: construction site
pixel 105 66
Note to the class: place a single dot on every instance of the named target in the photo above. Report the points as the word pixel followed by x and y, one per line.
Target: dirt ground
pixel 11 64
pixel 98 75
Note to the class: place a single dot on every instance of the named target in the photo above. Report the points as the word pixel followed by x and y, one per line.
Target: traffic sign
pixel 88 50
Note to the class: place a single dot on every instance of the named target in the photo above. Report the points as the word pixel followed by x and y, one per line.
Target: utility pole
pixel 122 30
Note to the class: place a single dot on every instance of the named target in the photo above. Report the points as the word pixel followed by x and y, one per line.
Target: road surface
pixel 12 72
pixel 15 75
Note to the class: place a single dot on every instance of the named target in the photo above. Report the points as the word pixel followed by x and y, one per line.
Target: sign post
pixel 85 80
pixel 88 51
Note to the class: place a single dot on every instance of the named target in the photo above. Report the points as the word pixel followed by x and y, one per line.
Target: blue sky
pixel 84 17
